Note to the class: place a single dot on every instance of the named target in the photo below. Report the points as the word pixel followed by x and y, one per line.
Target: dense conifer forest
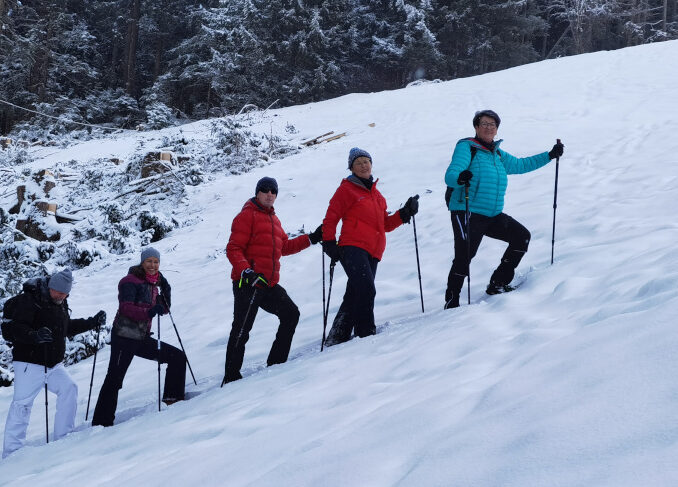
pixel 148 64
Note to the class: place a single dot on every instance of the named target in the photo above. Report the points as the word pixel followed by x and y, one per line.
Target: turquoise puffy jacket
pixel 488 185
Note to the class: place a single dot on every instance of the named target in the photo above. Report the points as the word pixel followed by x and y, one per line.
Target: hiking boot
pixel 452 303
pixel 170 400
pixel 496 288
pixel 232 377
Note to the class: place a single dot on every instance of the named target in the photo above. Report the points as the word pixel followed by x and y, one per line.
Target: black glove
pixel 100 318
pixel 410 208
pixel 157 309
pixel 464 177
pixel 557 150
pixel 317 235
pixel 42 335
pixel 250 278
pixel 331 248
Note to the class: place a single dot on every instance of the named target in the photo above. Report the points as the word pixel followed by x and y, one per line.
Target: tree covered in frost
pixel 130 63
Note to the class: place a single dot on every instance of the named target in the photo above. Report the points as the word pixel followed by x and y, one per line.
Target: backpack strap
pixel 449 190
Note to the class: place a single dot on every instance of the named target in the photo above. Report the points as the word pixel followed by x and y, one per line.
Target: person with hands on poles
pixel 256 243
pixel 362 209
pixel 143 294
pixel 40 324
pixel 479 165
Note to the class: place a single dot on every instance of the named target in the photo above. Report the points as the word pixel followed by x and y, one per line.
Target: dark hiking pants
pixel 356 313
pixel 123 350
pixel 501 227
pixel 273 300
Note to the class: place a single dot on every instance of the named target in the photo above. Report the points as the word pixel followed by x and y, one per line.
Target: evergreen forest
pixel 146 64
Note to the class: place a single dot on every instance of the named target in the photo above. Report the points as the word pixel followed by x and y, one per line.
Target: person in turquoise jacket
pixel 479 163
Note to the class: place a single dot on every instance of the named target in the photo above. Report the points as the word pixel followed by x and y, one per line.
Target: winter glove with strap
pixel 331 248
pixel 157 309
pixel 316 236
pixel 557 150
pixel 409 209
pixel 250 278
pixel 42 335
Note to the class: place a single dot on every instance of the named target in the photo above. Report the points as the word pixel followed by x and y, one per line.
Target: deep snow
pixel 568 381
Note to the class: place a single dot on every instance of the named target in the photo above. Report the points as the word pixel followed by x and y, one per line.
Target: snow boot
pixel 497 288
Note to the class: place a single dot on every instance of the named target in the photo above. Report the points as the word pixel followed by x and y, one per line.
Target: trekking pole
pixel 326 311
pixel 416 249
pixel 158 361
pixel 91 381
pixel 468 243
pixel 179 338
pixel 555 198
pixel 242 329
pixel 46 403
pixel 324 317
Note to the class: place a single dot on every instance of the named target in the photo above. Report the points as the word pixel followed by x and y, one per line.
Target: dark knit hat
pixel 486 113
pixel 266 184
pixel 61 281
pixel 355 153
pixel 149 252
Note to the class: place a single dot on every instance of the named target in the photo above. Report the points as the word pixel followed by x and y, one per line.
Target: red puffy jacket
pixel 258 241
pixel 364 217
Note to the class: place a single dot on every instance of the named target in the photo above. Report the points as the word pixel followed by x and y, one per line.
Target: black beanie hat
pixel 266 183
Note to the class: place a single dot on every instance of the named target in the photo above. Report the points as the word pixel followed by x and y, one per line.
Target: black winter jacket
pixel 36 309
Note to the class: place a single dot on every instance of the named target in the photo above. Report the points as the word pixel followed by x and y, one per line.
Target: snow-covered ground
pixel 572 380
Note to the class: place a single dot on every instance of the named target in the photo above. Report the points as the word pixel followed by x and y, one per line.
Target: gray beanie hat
pixel 149 252
pixel 61 281
pixel 355 153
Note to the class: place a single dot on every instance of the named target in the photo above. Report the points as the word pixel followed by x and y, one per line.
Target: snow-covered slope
pixel 570 380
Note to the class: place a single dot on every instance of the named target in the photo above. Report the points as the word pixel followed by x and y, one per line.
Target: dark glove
pixel 464 177
pixel 410 208
pixel 331 248
pixel 157 309
pixel 557 150
pixel 317 235
pixel 100 318
pixel 250 278
pixel 42 335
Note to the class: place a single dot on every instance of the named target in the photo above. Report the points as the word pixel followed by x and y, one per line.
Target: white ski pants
pixel 29 380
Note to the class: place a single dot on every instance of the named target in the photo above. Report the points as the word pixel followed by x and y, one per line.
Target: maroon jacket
pixel 258 241
pixel 135 297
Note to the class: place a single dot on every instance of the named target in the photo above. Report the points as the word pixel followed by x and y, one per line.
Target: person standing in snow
pixel 479 163
pixel 362 209
pixel 142 294
pixel 254 249
pixel 40 324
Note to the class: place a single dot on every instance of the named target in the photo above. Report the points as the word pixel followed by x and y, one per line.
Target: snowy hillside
pixel 571 380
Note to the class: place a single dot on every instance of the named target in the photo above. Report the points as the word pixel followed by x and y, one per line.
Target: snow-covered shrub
pixel 158 224
pixel 158 115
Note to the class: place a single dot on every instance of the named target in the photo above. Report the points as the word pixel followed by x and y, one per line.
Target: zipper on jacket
pixel 273 246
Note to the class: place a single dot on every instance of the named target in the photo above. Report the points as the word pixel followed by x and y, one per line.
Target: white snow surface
pixel 571 380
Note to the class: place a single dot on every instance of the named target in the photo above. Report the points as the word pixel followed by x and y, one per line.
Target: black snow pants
pixel 273 300
pixel 123 350
pixel 356 313
pixel 501 227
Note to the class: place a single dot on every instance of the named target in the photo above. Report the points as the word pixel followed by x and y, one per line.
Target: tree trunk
pixel 131 43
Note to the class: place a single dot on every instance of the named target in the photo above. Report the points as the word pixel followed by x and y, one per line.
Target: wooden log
pixel 315 140
pixel 334 137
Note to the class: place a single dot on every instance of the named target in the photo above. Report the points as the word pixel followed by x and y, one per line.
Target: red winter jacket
pixel 364 217
pixel 258 241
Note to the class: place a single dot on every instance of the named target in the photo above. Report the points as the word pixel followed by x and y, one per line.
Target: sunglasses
pixel 268 190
